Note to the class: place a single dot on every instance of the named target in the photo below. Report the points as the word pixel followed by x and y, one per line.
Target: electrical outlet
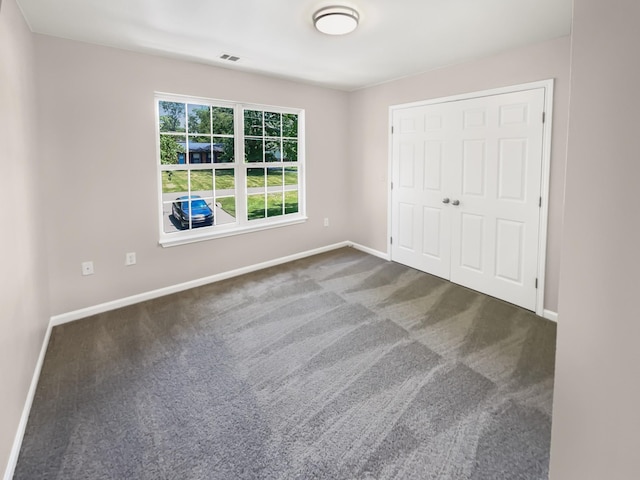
pixel 326 222
pixel 130 258
pixel 87 268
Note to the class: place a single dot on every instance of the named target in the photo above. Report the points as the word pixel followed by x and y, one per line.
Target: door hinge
pixel 391 129
pixel 544 116
pixel 391 185
pixel 536 283
pixel 391 240
pixel 540 202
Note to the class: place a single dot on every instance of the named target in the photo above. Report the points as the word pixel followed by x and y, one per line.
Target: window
pixel 227 168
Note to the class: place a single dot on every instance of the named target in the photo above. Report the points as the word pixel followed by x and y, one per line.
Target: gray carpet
pixel 338 366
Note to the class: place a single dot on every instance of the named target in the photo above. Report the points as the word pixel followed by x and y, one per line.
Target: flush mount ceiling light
pixel 336 20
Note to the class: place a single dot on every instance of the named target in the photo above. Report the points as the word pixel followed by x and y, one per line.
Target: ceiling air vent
pixel 231 58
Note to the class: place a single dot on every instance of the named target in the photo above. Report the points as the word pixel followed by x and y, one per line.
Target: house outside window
pixel 227 168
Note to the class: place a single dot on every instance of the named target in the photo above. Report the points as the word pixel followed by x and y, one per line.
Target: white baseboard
pixel 370 251
pixel 141 297
pixel 22 426
pixel 550 315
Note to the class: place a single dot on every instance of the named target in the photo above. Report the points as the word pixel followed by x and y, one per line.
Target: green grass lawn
pixel 256 205
pixel 176 181
pixel 228 204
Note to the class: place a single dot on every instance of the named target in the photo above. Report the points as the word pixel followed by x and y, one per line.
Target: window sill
pixel 182 238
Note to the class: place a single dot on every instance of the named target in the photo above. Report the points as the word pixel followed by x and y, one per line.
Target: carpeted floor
pixel 338 366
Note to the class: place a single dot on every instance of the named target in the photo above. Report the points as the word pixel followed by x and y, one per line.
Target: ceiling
pixel 395 38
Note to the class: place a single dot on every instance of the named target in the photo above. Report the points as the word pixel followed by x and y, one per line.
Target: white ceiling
pixel 276 37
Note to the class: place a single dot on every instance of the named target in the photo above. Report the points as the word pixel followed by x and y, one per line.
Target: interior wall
pixel 369 134
pixel 596 418
pixel 98 125
pixel 23 277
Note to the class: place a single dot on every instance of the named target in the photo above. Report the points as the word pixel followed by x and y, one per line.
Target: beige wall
pixel 596 414
pixel 23 276
pixel 97 122
pixel 369 134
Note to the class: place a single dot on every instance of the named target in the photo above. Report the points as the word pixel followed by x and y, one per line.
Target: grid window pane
pixel 225 210
pixel 253 150
pixel 225 184
pixel 291 202
pixel 199 118
pixel 222 120
pixel 274 177
pixel 225 180
pixel 199 149
pixel 171 116
pixel 253 123
pixel 255 178
pixel 272 151
pixel 202 183
pixel 223 150
pixel 290 150
pixel 291 176
pixel 172 149
pixel 256 206
pixel 290 125
pixel 272 124
pixel 175 181
pixel 274 204
pixel 169 223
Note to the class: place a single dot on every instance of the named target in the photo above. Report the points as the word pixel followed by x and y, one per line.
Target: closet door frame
pixel 547 85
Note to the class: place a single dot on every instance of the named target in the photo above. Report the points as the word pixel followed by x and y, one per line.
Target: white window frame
pixel 242 224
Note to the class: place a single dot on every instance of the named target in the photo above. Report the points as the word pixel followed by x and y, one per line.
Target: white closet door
pixel 483 156
pixel 420 223
pixel 497 169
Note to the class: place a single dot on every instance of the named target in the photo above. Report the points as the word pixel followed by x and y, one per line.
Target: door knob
pixel 455 202
pixel 445 200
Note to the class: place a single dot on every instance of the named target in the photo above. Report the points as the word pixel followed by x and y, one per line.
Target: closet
pixel 467 191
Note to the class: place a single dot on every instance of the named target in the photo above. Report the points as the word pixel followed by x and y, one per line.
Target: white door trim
pixel 547 85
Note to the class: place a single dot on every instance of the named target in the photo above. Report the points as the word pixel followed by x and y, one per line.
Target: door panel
pixel 512 169
pixel 418 176
pixel 433 165
pixel 406 226
pixel 509 250
pixel 508 242
pixel 407 165
pixel 514 114
pixel 486 154
pixel 433 121
pixel 470 242
pixel 474 117
pixel 474 168
pixel 432 233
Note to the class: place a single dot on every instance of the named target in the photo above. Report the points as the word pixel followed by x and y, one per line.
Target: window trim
pixel 242 225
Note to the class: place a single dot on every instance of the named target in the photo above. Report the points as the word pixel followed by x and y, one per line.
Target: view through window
pixel 226 166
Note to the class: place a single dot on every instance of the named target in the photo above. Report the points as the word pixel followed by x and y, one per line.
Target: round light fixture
pixel 336 20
